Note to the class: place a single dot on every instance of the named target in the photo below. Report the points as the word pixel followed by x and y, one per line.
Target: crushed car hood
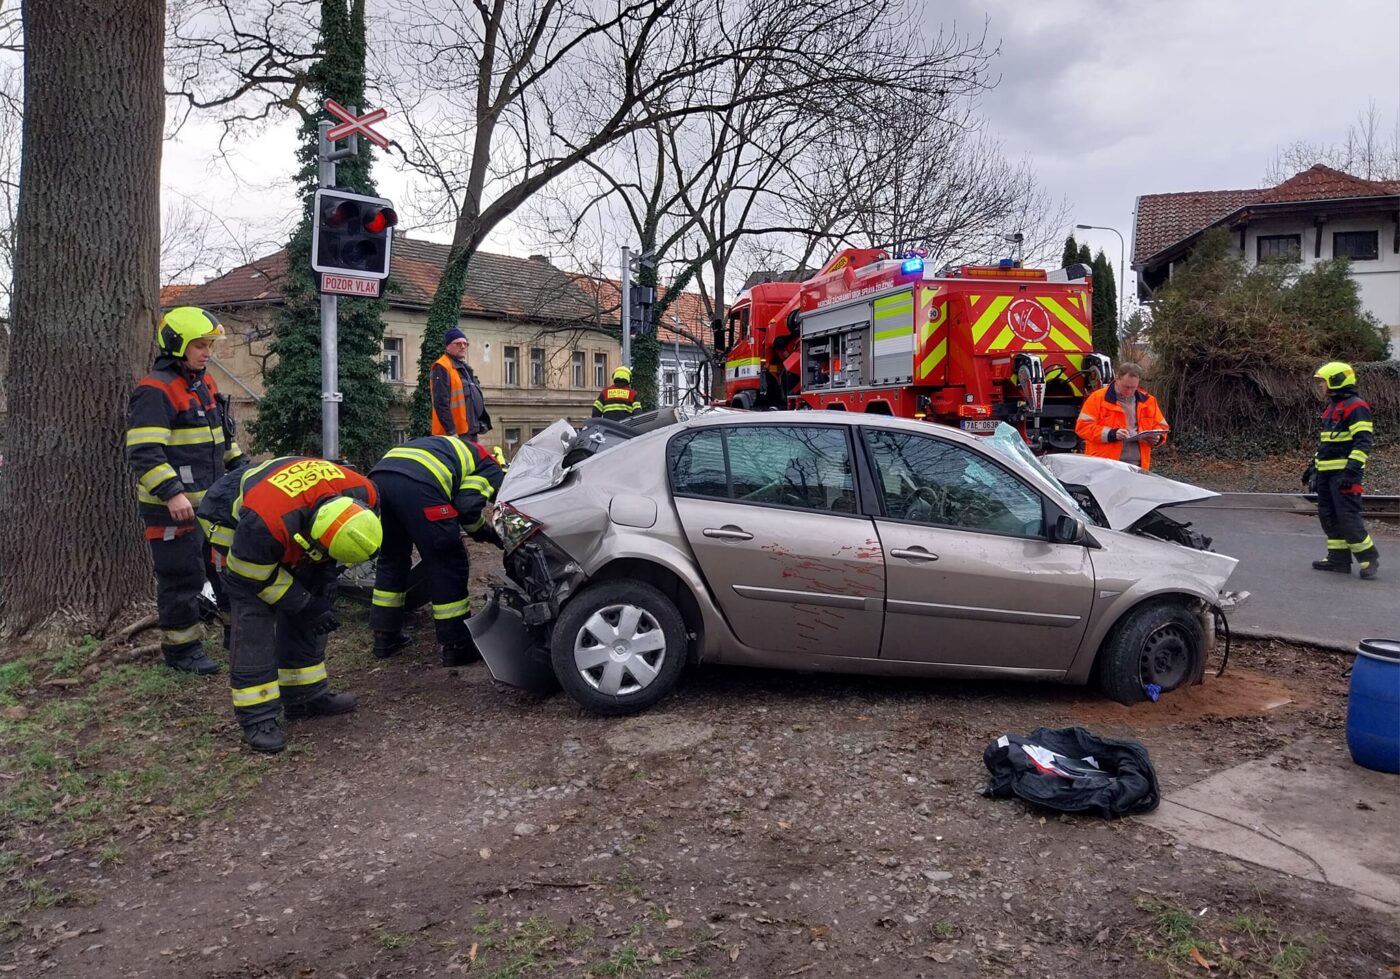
pixel 1124 492
pixel 538 464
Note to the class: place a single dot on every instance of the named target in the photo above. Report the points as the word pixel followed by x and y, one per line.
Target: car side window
pixel 805 466
pixel 927 480
pixel 697 464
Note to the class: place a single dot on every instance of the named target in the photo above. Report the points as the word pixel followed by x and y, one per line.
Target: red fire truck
pixel 970 347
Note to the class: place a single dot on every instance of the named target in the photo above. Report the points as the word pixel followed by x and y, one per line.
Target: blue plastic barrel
pixel 1373 712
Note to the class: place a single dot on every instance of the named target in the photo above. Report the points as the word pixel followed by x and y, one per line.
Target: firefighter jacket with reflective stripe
pixel 462 472
pixel 272 546
pixel 177 439
pixel 458 407
pixel 1346 436
pixel 615 401
pixel 1102 414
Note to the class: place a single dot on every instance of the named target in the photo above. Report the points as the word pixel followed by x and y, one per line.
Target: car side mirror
pixel 1067 530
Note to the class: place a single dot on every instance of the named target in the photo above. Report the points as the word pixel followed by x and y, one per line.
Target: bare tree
pixel 71 542
pixel 1369 150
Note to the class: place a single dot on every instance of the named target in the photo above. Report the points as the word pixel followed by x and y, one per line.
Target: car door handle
pixel 914 554
pixel 727 532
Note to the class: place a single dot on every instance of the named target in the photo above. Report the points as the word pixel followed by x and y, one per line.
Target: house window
pixel 668 387
pixel 537 367
pixel 392 362
pixel 1360 246
pixel 1285 248
pixel 511 364
pixel 600 370
pixel 578 379
pixel 512 439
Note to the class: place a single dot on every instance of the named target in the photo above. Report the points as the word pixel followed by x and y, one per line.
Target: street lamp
pixel 1122 263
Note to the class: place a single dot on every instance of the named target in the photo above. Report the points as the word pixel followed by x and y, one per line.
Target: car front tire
pixel 618 647
pixel 1161 643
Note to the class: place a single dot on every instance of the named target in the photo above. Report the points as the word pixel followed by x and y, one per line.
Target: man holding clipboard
pixel 1121 421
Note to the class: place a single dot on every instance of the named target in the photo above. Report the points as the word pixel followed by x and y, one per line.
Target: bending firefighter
pixel 295 522
pixel 431 490
pixel 618 400
pixel 1337 471
pixel 178 443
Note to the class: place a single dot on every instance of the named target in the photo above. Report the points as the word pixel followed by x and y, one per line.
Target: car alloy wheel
pixel 619 650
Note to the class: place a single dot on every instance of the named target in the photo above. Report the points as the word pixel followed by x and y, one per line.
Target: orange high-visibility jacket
pixel 1102 413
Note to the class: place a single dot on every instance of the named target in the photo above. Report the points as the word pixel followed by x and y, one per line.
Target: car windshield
pixel 1010 446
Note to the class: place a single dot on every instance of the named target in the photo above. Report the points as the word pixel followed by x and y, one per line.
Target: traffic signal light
pixel 642 299
pixel 351 234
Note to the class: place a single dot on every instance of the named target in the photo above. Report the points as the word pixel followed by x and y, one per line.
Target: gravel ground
pixel 755 824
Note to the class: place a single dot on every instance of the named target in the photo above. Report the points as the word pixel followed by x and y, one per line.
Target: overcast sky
pixel 1109 98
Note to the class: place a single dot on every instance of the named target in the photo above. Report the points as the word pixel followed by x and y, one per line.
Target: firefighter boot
pixel 266 736
pixel 1341 567
pixel 194 660
pixel 388 644
pixel 325 704
pixel 460 653
pixel 1369 568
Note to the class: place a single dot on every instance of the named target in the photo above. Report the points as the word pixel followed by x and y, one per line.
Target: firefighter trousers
pixel 1339 512
pixel 179 563
pixel 414 515
pixel 273 656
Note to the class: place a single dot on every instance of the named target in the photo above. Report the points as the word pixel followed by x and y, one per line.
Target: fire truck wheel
pixel 618 647
pixel 1159 643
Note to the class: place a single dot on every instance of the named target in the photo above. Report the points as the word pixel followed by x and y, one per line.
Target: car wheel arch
pixel 671 585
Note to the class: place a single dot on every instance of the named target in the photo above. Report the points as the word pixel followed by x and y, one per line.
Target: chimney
pixel 540 258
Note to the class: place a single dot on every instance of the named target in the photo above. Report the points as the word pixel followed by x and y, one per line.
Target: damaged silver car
pixel 829 541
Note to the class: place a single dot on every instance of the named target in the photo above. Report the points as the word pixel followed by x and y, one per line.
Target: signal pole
pixel 330 312
pixel 626 282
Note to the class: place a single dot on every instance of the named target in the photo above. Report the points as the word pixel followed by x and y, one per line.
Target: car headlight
pixel 513 526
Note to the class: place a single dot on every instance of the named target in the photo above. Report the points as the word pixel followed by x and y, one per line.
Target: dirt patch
pixel 1241 692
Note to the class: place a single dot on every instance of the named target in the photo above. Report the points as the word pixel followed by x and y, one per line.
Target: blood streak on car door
pixel 772 517
pixel 972 579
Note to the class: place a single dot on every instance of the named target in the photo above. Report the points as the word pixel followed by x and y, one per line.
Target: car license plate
pixel 983 425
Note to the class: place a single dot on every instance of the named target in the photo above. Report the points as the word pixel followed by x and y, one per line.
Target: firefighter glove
pixel 1350 478
pixel 1309 474
pixel 485 534
pixel 321 616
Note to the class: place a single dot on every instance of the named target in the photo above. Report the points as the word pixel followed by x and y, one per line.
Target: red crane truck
pixel 969 347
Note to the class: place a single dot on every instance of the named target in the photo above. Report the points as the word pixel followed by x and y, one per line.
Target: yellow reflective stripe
pixel 220 536
pixel 1336 545
pixel 174 637
pixel 252 696
pixel 1362 427
pixel 1364 545
pixel 1358 456
pixel 157 475
pixel 480 484
pixel 598 405
pixel 895 332
pixel 195 496
pixel 192 436
pixel 428 461
pixel 232 451
pixel 388 599
pixel 147 435
pixel 301 677
pixel 1076 326
pixel 452 610
pixel 989 315
pixel 743 362
pixel 1329 465
pixel 276 591
pixel 934 359
pixel 143 497
pixel 476 524
pixel 464 456
pixel 1084 416
pixel 249 570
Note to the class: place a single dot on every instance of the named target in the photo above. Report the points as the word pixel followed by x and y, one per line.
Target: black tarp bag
pixel 1070 770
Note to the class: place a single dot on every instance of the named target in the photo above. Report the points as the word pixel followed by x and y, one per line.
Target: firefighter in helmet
pixel 618 400
pixel 1338 469
pixel 431 490
pixel 295 523
pixel 178 443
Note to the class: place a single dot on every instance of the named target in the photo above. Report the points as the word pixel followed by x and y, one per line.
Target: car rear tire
pixel 618 647
pixel 1161 643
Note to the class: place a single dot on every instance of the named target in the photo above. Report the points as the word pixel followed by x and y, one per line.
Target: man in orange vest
pixel 458 407
pixel 1120 421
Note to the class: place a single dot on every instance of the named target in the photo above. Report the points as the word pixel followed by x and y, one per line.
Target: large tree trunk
pixel 86 295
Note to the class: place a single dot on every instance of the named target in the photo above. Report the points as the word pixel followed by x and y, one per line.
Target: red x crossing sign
pixel 351 124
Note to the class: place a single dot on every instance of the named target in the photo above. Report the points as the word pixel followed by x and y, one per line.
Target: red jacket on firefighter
pixel 1102 417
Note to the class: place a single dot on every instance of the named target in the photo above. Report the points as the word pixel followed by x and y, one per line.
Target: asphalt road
pixel 1290 600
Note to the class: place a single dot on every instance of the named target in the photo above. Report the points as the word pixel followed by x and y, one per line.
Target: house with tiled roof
pixel 1319 214
pixel 542 345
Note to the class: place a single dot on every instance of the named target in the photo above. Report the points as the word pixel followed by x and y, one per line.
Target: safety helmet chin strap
pixel 312 551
